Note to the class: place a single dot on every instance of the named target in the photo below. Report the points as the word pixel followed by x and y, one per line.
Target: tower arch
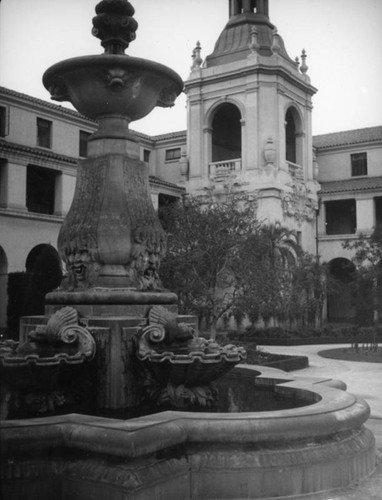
pixel 294 134
pixel 225 122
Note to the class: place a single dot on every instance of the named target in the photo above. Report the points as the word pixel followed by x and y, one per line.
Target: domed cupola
pixel 232 44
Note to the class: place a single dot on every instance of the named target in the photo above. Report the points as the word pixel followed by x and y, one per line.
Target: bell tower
pixel 249 121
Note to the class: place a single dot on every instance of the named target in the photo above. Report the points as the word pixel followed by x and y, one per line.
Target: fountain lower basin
pixel 320 446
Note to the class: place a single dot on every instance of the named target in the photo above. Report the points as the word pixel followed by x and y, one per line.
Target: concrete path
pixel 364 380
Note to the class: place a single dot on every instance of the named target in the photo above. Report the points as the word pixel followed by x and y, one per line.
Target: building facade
pixel 248 133
pixel 350 168
pixel 40 144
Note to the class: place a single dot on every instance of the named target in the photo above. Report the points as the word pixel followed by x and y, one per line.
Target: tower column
pixel 236 7
pixel 207 131
pixel 231 7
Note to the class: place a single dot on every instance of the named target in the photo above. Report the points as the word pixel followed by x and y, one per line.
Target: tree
pixel 270 257
pixel 201 266
pixel 367 282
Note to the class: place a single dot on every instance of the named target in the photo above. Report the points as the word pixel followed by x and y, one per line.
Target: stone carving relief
pixel 147 235
pixel 224 181
pixel 298 204
pixel 167 97
pixel 148 248
pixel 119 79
pixel 112 227
pixel 77 241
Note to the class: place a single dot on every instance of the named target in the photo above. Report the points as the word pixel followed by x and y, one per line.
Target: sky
pixel 342 38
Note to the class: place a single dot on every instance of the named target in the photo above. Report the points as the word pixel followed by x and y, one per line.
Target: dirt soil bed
pixel 284 362
pixel 348 354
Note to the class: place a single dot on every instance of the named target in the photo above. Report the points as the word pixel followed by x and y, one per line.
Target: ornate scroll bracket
pixel 61 340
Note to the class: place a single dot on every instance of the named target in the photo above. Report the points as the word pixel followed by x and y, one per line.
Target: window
pixel 358 164
pixel 84 136
pixel 3 121
pixel 341 217
pixel 172 154
pixel 41 183
pixel 146 155
pixel 3 186
pixel 44 133
pixel 378 212
pixel 290 137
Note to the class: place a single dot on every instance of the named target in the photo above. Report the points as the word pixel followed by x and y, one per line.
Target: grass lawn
pixel 349 354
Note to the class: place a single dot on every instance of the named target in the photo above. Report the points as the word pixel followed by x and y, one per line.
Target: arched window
pixel 3 288
pixel 226 133
pixel 293 137
pixel 44 273
pixel 290 137
pixel 340 302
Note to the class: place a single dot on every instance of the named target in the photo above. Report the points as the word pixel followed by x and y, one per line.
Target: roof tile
pixel 352 185
pixel 348 137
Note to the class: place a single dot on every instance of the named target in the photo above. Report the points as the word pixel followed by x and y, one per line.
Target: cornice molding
pixel 22 214
pixel 154 181
pixel 35 154
pixel 246 71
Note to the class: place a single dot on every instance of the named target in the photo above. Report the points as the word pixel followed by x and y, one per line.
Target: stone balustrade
pixel 296 171
pixel 223 168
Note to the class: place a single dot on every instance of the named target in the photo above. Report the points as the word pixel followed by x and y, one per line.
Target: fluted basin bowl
pixel 109 84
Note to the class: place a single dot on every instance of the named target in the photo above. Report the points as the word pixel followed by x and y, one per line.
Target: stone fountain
pixel 112 336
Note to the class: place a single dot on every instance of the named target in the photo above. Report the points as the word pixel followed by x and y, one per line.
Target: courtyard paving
pixel 364 380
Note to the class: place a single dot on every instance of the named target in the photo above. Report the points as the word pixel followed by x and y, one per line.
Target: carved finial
pixel 254 44
pixel 297 62
pixel 196 59
pixel 304 68
pixel 114 25
pixel 276 46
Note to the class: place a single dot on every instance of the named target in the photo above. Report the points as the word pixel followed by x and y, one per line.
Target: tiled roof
pixel 348 137
pixel 159 182
pixel 41 102
pixel 55 107
pixel 36 152
pixel 351 185
pixel 180 134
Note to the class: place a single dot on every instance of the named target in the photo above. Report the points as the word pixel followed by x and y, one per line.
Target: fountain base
pixel 271 454
pixel 113 317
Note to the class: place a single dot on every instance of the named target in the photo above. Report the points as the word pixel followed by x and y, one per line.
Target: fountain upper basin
pixel 113 84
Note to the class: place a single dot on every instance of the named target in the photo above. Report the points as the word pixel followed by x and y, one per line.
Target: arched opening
pixel 237 7
pixel 340 299
pixel 3 289
pixel 293 136
pixel 226 133
pixel 26 290
pixel 44 274
pixel 35 254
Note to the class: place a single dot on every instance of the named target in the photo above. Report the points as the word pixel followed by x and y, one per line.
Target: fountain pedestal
pixel 111 240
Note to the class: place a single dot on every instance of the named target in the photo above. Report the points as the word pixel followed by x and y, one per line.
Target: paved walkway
pixel 363 380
